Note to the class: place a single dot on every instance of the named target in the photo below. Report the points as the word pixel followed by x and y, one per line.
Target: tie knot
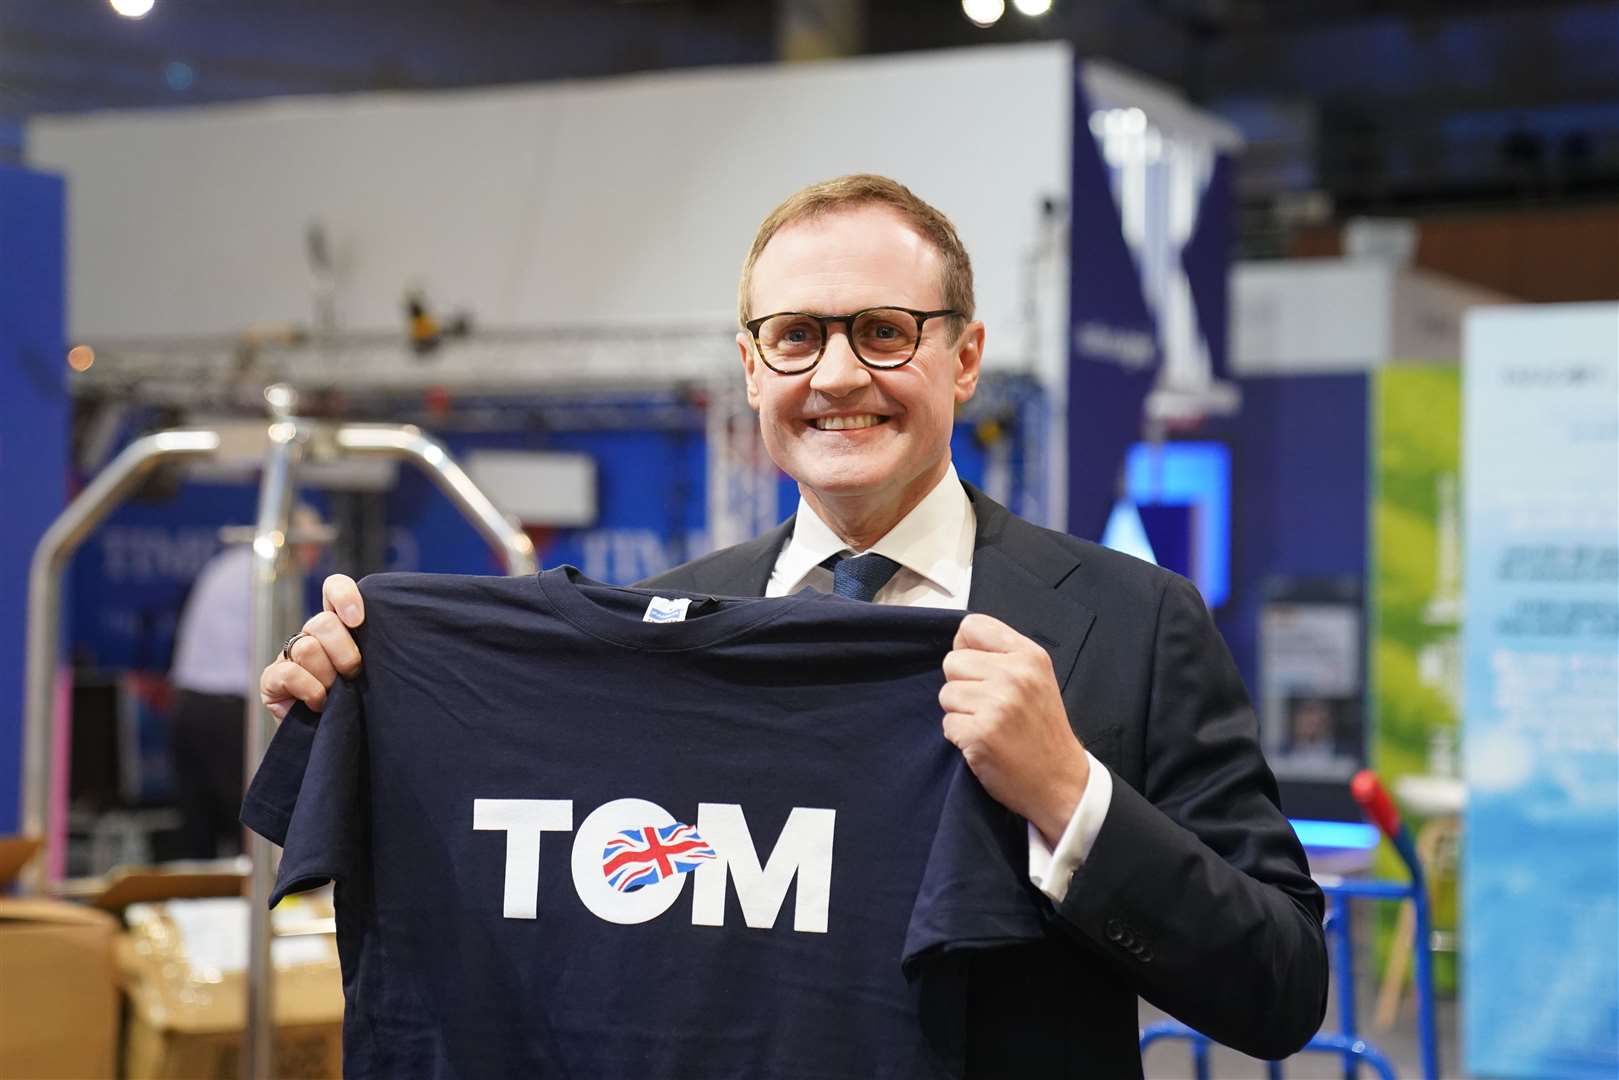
pixel 860 577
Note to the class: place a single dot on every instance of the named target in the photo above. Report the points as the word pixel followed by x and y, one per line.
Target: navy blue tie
pixel 860 577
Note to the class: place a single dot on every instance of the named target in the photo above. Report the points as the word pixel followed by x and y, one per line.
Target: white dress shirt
pixel 934 546
pixel 212 647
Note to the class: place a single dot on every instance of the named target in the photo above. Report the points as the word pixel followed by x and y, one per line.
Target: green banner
pixel 1416 568
pixel 1415 605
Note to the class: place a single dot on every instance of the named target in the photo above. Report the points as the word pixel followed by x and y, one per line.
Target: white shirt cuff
pixel 1051 868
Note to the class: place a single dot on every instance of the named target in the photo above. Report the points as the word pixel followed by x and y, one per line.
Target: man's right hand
pixel 319 658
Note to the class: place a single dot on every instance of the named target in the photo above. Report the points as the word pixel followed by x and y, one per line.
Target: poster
pixel 1540 874
pixel 1310 685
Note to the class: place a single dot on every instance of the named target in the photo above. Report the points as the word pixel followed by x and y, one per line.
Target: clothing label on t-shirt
pixel 662 609
pixel 568 842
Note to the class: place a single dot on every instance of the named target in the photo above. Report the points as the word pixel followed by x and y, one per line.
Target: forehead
pixel 849 259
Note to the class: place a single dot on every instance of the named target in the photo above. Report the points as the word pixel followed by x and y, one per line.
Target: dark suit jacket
pixel 1196 895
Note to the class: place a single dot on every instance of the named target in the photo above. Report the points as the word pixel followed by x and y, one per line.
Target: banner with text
pixel 1149 229
pixel 1540 654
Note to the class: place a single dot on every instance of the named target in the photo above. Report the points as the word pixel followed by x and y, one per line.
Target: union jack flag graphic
pixel 636 858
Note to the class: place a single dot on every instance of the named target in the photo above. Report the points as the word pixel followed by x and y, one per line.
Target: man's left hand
pixel 1004 712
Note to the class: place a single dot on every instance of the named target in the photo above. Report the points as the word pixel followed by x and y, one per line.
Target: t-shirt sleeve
pixel 267 807
pixel 975 891
pixel 325 825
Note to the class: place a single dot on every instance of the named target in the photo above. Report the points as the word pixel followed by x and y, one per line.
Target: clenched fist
pixel 317 659
pixel 1003 710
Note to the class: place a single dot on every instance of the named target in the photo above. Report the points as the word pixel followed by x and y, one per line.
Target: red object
pixel 541 536
pixel 436 399
pixel 1374 801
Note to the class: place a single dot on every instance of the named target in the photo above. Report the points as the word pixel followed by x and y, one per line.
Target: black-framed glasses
pixel 792 342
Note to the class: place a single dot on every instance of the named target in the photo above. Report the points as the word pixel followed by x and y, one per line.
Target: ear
pixel 969 359
pixel 750 369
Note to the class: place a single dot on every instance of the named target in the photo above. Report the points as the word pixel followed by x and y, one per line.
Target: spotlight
pixel 1032 8
pixel 983 12
pixel 132 9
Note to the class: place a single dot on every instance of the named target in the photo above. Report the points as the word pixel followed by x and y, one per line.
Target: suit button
pixel 1115 930
pixel 1145 956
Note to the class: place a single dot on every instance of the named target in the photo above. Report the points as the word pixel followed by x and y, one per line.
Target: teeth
pixel 844 423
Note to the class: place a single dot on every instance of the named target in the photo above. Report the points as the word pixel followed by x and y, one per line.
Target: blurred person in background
pixel 1089 692
pixel 211 675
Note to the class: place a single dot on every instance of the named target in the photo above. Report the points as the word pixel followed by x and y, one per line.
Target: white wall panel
pixel 1319 316
pixel 583 203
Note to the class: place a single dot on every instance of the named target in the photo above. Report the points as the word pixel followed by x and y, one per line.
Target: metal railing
pixel 281 447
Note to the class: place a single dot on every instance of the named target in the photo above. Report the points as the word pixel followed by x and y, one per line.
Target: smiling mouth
pixel 847 423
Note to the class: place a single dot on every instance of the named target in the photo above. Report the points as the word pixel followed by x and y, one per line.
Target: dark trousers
pixel 208 750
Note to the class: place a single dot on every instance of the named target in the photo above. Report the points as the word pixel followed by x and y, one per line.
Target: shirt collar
pixel 931 541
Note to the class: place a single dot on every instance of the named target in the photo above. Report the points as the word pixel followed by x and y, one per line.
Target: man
pixel 211 674
pixel 1089 692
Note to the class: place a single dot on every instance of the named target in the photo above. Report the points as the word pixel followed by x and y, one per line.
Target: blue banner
pixel 33 425
pixel 129 580
pixel 1148 287
pixel 1113 348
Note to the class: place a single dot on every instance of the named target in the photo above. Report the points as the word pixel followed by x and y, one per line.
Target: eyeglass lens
pixel 883 337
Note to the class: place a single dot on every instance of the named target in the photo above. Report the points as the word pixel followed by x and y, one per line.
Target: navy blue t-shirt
pixel 568 841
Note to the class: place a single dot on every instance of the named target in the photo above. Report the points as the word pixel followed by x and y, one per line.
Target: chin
pixel 840 484
pixel 830 476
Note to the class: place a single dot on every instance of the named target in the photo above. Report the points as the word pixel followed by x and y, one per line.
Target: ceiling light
pixel 132 9
pixel 1032 8
pixel 983 12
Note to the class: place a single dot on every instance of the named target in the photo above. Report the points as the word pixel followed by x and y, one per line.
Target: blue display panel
pixel 1181 492
pixel 1335 835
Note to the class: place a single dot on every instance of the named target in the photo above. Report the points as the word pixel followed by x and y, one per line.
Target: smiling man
pixel 1089 692
pixel 861 420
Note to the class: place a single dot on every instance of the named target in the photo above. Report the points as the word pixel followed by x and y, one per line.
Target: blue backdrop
pixel 33 426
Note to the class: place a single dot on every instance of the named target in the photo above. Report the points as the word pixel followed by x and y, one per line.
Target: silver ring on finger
pixel 286 650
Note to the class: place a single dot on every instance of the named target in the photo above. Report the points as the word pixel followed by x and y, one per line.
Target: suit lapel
pixel 1016 570
pixel 744 570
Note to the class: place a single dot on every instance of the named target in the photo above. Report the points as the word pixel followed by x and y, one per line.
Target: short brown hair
pixel 867 189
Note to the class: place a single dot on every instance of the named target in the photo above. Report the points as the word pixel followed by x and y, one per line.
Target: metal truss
pixel 220 370
pixel 567 377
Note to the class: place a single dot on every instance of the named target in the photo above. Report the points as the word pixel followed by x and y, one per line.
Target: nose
pixel 840 372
